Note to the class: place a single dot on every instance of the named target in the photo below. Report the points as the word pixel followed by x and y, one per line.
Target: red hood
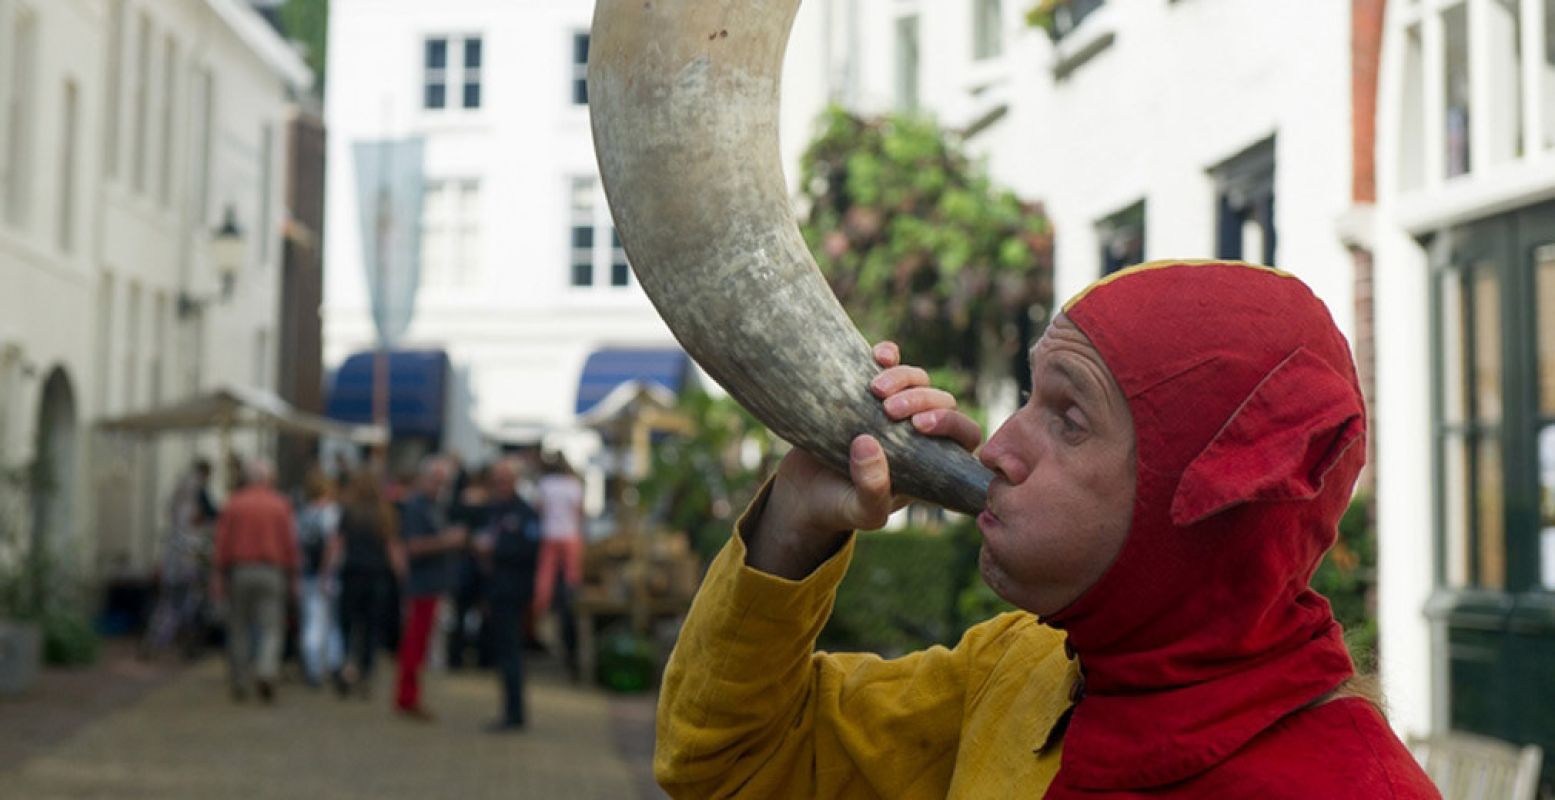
pixel 1249 423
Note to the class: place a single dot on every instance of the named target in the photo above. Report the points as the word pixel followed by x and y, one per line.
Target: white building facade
pixel 129 131
pixel 1149 128
pixel 1464 237
pixel 521 278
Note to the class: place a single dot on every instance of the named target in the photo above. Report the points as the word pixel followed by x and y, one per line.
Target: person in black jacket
pixel 509 547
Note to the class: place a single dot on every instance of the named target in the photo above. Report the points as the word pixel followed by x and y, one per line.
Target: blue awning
pixel 418 386
pixel 606 369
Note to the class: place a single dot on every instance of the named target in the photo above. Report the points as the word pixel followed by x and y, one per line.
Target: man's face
pixel 504 480
pixel 1063 487
pixel 434 478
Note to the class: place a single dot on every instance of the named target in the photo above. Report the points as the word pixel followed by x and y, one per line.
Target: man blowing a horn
pixel 1157 510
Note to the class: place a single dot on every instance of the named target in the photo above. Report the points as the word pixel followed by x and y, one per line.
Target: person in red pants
pixel 431 547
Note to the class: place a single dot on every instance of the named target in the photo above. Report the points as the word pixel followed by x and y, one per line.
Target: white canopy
pixel 230 407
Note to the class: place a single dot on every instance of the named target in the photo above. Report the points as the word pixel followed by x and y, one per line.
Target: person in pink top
pixel 560 501
pixel 256 560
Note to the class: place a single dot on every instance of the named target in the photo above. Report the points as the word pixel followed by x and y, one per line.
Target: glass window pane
pixel 582 194
pixel 1547 477
pixel 1544 318
pixel 1490 514
pixel 1455 26
pixel 1411 151
pixel 1453 335
pixel 1505 64
pixel 437 53
pixel 907 63
pixel 582 236
pixel 472 52
pixel 1455 510
pixel 1487 343
pixel 620 273
pixel 1547 76
pixel 582 273
pixel 580 48
pixel 472 95
pixel 436 95
pixel 580 92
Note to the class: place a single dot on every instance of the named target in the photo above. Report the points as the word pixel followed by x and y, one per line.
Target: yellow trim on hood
pixel 1149 266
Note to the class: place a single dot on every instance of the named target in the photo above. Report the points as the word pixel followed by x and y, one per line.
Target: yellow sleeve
pixel 748 708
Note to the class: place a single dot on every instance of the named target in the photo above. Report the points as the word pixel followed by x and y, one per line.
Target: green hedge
pixel 912 588
pixel 907 589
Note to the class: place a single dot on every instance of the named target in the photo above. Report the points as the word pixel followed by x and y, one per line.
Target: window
pixel 1066 15
pixel 1455 27
pixel 132 348
pixel 1544 316
pixel 142 78
pixel 266 177
pixel 580 69
pixel 620 270
pixel 261 358
pixel 1546 72
pixel 67 168
pixel 1244 200
pixel 440 73
pixel 18 157
pixel 169 92
pixel 590 257
pixel 472 72
pixel 450 232
pixel 1494 302
pixel 1411 151
pixel 436 80
pixel 582 234
pixel 158 347
pixel 114 84
pixel 987 29
pixel 207 122
pixel 104 322
pixel 1122 239
pixel 907 63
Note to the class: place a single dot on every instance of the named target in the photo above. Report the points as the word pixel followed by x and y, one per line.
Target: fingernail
pixel 880 383
pixel 865 449
pixel 924 420
pixel 895 403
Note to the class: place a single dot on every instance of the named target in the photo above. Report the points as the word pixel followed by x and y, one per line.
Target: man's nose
pixel 1000 456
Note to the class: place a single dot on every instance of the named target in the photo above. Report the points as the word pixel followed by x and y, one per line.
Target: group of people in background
pixel 481 555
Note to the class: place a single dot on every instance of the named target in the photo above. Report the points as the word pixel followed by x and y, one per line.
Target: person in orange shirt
pixel 256 561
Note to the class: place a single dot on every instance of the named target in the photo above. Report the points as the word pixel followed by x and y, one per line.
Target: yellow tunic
pixel 748 708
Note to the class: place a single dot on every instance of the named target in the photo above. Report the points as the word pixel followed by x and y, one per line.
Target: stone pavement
pixel 185 739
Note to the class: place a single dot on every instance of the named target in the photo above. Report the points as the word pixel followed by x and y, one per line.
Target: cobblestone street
pixel 183 738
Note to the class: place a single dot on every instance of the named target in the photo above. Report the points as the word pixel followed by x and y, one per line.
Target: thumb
pixel 871 474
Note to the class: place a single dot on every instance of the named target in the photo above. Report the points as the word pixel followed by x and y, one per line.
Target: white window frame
pixel 70 136
pixel 987 30
pixel 471 76
pixel 21 111
pixel 451 249
pixel 140 129
pixel 907 39
pixel 454 75
pixel 435 76
pixel 580 69
pixel 603 254
pixel 168 128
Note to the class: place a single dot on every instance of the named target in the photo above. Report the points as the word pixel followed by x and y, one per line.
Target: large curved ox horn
pixel 683 95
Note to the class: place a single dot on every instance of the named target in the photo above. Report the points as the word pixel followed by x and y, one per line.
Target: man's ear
pixel 1278 445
